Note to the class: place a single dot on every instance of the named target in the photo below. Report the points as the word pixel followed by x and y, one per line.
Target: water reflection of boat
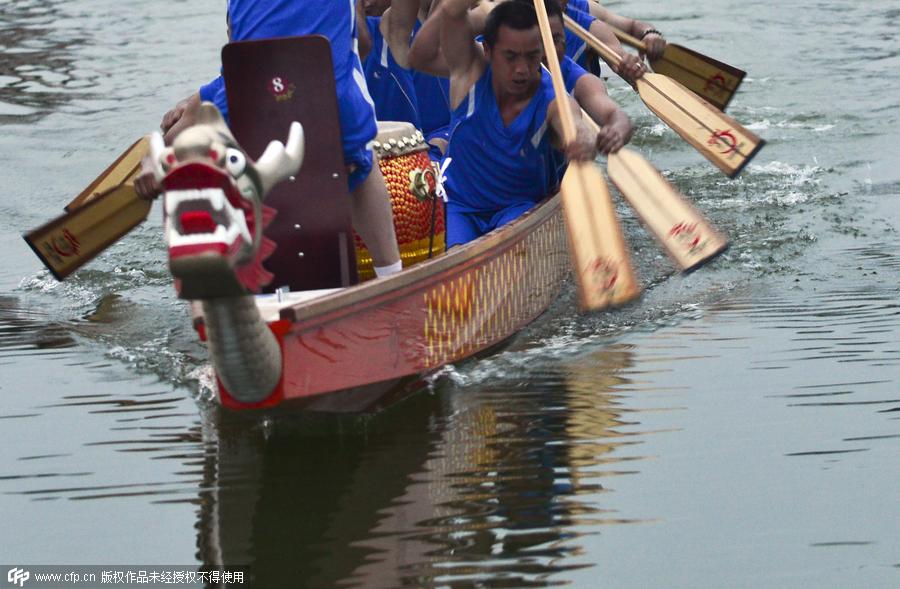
pixel 289 500
pixel 497 481
pixel 594 381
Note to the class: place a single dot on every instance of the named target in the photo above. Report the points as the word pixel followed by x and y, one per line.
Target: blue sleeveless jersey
pixel 390 86
pixel 334 19
pixel 575 47
pixel 489 166
pixel 433 93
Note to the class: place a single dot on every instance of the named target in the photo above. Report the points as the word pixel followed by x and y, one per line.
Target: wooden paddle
pixel 125 169
pixel 599 255
pixel 688 238
pixel 720 139
pixel 98 217
pixel 708 78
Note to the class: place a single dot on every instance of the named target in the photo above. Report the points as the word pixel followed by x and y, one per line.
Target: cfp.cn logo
pixel 17 576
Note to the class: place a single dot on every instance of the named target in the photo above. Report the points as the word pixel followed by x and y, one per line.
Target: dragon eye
pixel 167 159
pixel 235 162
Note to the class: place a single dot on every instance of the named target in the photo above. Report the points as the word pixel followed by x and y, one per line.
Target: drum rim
pixel 396 138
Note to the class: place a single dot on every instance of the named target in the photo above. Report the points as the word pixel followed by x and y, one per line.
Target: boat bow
pixel 214 221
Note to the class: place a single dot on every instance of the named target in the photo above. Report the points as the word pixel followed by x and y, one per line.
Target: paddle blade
pixel 125 169
pixel 686 235
pixel 712 80
pixel 599 255
pixel 721 139
pixel 70 241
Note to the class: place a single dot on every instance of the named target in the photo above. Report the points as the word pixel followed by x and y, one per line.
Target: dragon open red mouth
pixel 205 212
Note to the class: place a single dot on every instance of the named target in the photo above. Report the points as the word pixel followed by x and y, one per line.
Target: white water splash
pixel 798 174
pixel 657 130
pixel 448 372
pixel 133 274
pixel 766 124
pixel 44 282
pixel 155 356
pixel 789 199
pixel 762 125
pixel 205 378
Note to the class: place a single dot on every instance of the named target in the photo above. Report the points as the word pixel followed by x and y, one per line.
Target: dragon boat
pixel 279 284
pixel 282 290
pixel 345 348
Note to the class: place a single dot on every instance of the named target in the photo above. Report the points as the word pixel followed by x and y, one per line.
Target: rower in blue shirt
pixel 250 19
pixel 504 119
pixel 398 26
pixel 590 94
pixel 631 66
pixel 335 20
pixel 653 39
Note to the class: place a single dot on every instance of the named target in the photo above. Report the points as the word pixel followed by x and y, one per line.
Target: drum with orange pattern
pixel 412 181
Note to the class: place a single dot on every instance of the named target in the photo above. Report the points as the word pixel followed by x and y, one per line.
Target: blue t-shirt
pixel 335 20
pixel 491 166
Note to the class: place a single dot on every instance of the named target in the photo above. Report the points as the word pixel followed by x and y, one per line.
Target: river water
pixel 737 427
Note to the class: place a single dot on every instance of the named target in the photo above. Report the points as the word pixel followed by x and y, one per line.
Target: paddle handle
pixel 559 87
pixel 605 51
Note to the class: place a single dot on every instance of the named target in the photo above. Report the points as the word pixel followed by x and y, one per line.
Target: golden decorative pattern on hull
pixel 486 303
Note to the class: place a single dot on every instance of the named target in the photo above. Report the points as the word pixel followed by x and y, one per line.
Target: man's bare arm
pixel 425 54
pixel 630 67
pixel 464 59
pixel 616 128
pixel 584 145
pixel 397 26
pixel 654 40
pixel 478 14
pixel 180 117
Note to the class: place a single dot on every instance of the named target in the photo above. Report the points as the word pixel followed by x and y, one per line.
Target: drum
pixel 412 180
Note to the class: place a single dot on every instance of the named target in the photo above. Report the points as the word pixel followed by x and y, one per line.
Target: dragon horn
pixel 279 162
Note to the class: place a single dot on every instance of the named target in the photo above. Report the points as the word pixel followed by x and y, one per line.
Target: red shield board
pixel 271 83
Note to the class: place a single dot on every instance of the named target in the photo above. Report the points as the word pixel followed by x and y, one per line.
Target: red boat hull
pixel 346 351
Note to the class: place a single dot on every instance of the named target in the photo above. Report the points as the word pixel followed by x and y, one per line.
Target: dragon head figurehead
pixel 214 212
